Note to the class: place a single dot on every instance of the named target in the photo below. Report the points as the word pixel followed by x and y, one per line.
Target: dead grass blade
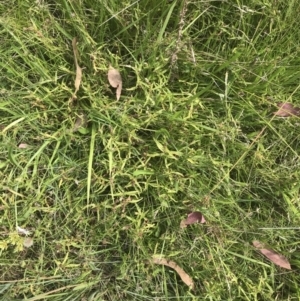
pixel 78 69
pixel 115 80
pixel 276 258
pixel 183 275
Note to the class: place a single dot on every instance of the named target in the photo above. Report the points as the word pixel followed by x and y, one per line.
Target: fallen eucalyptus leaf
pixel 287 109
pixel 115 80
pixel 183 275
pixel 274 257
pixel 78 69
pixel 193 217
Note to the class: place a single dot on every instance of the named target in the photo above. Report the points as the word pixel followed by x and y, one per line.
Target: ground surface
pixel 194 130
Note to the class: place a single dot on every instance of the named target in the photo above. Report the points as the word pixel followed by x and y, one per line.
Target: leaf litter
pixel 78 69
pixel 192 218
pixel 173 265
pixel 287 109
pixel 273 256
pixel 23 145
pixel 115 80
pixel 27 242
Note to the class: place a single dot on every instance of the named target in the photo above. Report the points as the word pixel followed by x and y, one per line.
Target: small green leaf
pixel 140 172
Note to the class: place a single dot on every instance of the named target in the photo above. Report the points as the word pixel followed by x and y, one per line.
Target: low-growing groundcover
pixel 94 189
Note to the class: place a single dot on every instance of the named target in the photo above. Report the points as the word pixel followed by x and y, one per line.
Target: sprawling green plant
pixel 92 188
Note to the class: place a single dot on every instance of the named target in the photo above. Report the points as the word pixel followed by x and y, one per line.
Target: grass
pixel 193 130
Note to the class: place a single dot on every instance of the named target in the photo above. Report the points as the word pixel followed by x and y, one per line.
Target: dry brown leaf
pixel 287 109
pixel 276 258
pixel 193 217
pixel 115 80
pixel 27 242
pixel 23 145
pixel 78 69
pixel 183 275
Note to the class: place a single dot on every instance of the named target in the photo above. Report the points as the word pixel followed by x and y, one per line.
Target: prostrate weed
pixel 96 192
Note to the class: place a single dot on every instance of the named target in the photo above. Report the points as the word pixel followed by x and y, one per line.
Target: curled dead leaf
pixel 115 80
pixel 274 257
pixel 192 218
pixel 287 109
pixel 182 274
